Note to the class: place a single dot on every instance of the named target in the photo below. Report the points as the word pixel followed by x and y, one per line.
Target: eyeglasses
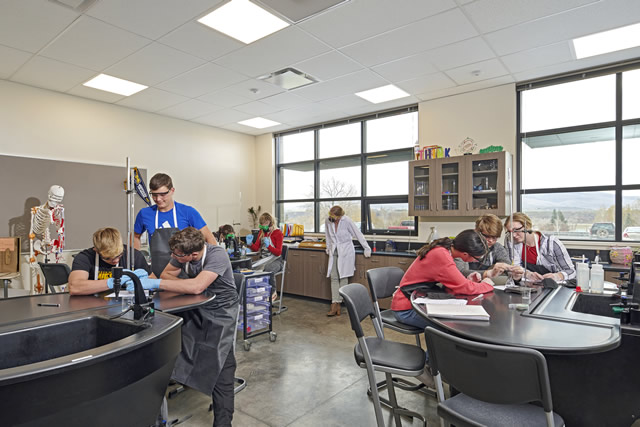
pixel 179 255
pixel 517 230
pixel 478 259
pixel 112 259
pixel 156 195
pixel 487 237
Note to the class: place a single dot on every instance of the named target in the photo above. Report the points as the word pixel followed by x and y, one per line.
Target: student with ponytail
pixel 435 267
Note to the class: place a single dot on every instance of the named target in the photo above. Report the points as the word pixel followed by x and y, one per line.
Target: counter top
pixel 360 251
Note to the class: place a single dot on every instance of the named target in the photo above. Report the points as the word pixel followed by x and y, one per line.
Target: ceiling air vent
pixel 289 78
pixel 77 5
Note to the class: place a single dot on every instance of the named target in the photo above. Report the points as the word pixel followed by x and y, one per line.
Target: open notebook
pixel 459 312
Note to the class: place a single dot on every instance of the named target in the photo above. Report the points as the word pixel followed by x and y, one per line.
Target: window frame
pixel 365 201
pixel 618 124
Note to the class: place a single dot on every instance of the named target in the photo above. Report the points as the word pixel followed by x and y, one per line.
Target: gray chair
pixel 281 273
pixel 55 274
pixel 377 354
pixel 383 282
pixel 240 280
pixel 496 383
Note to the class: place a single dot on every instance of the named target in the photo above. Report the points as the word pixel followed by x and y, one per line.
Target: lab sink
pixel 599 305
pixel 27 346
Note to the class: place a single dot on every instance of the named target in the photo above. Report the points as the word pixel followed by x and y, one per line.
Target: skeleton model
pixel 40 243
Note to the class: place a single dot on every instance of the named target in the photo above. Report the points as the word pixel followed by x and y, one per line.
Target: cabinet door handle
pixel 467 205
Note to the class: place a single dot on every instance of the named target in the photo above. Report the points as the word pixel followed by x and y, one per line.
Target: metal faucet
pixel 139 298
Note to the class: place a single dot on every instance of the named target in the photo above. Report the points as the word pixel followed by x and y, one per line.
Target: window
pixel 360 164
pixel 579 141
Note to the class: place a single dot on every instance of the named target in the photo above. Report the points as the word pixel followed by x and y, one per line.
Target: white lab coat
pixel 342 240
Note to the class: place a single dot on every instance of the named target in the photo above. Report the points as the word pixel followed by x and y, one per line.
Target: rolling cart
pixel 256 317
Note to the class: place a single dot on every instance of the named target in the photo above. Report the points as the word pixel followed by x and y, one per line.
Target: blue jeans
pixel 410 317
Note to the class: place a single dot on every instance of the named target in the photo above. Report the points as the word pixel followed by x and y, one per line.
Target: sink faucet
pixel 139 298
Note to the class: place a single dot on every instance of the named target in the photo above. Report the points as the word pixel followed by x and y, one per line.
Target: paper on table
pixel 126 294
pixel 453 301
pixel 459 312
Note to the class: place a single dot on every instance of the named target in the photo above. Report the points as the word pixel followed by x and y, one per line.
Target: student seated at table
pixel 91 269
pixel 546 256
pixel 497 259
pixel 435 267
pixel 223 232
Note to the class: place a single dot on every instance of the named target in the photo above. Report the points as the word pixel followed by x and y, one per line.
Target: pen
pixel 45 304
pixel 478 297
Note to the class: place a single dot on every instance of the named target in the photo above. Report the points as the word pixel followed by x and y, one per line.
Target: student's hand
pixel 533 276
pixel 141 273
pixel 367 253
pixel 123 281
pixel 149 284
pixel 516 272
pixel 249 239
pixel 555 276
pixel 475 277
pixel 488 281
pixel 502 266
pixel 267 242
pixel 327 251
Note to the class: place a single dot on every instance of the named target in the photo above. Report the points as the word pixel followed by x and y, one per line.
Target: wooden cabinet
pixel 460 186
pixel 316 282
pixel 294 281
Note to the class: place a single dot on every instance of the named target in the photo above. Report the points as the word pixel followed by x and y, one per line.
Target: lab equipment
pixel 597 278
pixel 582 276
pixel 124 281
pixel 433 235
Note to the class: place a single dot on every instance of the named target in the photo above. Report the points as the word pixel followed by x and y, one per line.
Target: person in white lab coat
pixel 340 231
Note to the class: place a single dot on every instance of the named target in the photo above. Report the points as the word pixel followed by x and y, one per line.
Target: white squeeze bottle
pixel 582 276
pixel 597 278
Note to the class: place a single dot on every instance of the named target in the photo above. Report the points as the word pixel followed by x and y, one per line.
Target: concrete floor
pixel 307 377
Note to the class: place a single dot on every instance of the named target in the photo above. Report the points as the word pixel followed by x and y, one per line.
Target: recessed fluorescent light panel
pixel 115 85
pixel 259 123
pixel 243 20
pixel 382 94
pixel 607 41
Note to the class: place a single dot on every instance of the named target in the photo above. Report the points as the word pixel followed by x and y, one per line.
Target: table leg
pixel 6 287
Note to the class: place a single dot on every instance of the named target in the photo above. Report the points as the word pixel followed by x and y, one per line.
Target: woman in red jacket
pixel 435 265
pixel 269 244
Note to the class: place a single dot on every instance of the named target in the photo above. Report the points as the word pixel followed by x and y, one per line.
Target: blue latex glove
pixel 141 273
pixel 249 239
pixel 149 284
pixel 267 242
pixel 125 280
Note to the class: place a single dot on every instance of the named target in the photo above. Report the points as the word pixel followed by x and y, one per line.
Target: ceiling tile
pixel 406 68
pixel 50 74
pixel 135 15
pixel 540 57
pixel 98 95
pixel 485 70
pixel 204 79
pixel 225 98
pixel 604 15
pixel 257 108
pixel 361 19
pixel 153 64
pixel 373 108
pixel 12 59
pixel 273 53
pixel 223 117
pixel 152 99
pixel 189 109
pixel 92 44
pixel 328 66
pixel 30 25
pixel 349 84
pixel 254 89
pixel 461 53
pixel 286 100
pixel 201 41
pixel 484 84
pixel 345 102
pixel 305 112
pixel 426 83
pixel 236 127
pixel 492 15
pixel 448 27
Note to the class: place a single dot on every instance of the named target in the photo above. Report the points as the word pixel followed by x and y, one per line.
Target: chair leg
pixel 281 308
pixel 404 385
pixel 418 340
pixel 392 399
pixel 241 384
pixel 375 396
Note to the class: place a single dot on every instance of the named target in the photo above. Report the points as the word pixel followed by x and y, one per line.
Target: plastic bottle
pixel 597 279
pixel 433 235
pixel 582 276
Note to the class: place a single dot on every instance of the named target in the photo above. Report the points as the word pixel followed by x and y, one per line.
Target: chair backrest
pixel 359 306
pixel 383 281
pixel 55 274
pixel 490 373
pixel 240 280
pixel 283 256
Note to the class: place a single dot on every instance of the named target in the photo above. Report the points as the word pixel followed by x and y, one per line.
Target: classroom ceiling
pixel 428 48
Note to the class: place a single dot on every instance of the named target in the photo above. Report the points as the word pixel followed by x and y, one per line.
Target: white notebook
pixel 459 312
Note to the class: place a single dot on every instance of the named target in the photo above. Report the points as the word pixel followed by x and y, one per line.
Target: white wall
pixel 212 169
pixel 487 116
pixel 265 173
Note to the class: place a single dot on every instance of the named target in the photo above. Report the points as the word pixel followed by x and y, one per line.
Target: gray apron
pixel 207 338
pixel 159 244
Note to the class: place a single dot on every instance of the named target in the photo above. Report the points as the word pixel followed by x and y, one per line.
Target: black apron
pixel 159 244
pixel 207 338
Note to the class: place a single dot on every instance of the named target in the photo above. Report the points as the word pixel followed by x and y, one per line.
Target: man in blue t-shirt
pixel 167 213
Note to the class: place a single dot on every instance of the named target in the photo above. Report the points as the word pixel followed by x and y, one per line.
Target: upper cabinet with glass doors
pixel 460 186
